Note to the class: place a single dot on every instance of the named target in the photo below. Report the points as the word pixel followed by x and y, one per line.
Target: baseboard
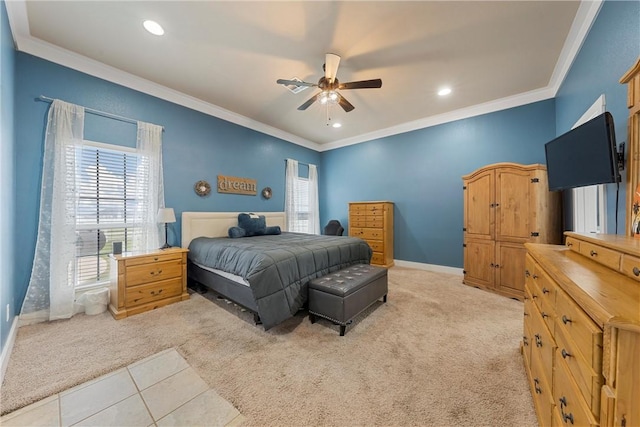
pixel 8 347
pixel 429 267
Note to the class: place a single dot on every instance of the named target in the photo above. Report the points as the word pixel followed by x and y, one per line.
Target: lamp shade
pixel 166 215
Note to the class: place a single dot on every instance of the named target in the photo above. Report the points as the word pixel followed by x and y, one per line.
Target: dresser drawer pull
pixel 636 271
pixel 593 253
pixel 563 402
pixel 565 354
pixel 154 292
pixel 525 341
pixel 565 319
pixel 535 277
pixel 526 314
pixel 545 291
pixel 492 265
pixel 569 244
pixel 544 315
pixel 155 272
pixel 537 386
pixel 538 341
pixel 567 417
pixel 534 296
pixel 526 273
pixel 155 259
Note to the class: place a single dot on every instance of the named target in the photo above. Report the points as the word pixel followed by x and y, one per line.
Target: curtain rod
pixel 301 163
pixel 97 112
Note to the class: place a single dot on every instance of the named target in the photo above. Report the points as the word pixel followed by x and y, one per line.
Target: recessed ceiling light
pixel 337 125
pixel 153 27
pixel 444 91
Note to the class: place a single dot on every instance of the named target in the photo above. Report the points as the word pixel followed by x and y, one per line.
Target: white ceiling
pixel 224 57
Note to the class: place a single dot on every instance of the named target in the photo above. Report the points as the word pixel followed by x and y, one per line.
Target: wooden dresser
pixel 581 339
pixel 505 206
pixel 144 281
pixel 373 222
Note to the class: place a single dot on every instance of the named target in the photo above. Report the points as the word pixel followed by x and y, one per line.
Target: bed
pixel 267 275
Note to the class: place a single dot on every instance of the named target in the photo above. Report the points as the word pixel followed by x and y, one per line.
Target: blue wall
pixel 421 172
pixel 610 49
pixel 195 146
pixel 7 189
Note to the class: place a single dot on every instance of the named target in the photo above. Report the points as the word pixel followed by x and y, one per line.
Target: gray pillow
pixel 253 225
pixel 236 232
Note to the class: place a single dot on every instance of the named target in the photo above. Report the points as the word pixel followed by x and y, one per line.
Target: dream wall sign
pixel 235 185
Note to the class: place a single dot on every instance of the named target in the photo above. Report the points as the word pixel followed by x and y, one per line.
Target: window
pixel 108 206
pixel 300 222
pixel 589 210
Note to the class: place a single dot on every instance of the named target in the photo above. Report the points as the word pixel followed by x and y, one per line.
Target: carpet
pixel 437 353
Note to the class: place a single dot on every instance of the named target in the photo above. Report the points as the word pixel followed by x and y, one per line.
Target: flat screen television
pixel 586 155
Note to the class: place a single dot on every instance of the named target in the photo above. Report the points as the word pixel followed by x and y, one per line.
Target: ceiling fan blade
pixel 346 105
pixel 363 84
pixel 309 102
pixel 331 63
pixel 294 82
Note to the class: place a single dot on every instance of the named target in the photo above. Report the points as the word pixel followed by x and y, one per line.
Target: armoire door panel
pixel 479 265
pixel 479 215
pixel 511 268
pixel 512 210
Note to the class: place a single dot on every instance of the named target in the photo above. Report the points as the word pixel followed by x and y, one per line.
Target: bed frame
pixel 216 224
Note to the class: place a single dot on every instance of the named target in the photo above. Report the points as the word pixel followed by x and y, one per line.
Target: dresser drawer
pixel 358 208
pixel 377 258
pixel 376 209
pixel 152 259
pixel 541 392
pixel 545 291
pixel 357 220
pixel 543 346
pixel 158 290
pixel 604 256
pixel 376 245
pixel 372 234
pixel 587 380
pixel 573 244
pixel 374 221
pixel 140 274
pixel 573 409
pixel 583 331
pixel 631 266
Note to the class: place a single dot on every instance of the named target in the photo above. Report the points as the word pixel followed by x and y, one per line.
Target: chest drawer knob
pixel 538 340
pixel 565 319
pixel 537 386
pixel 565 354
pixel 544 315
pixel 545 291
pixel 155 259
pixel 593 253
pixel 636 271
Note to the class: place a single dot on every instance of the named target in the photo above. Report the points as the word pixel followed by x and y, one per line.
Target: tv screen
pixel 586 155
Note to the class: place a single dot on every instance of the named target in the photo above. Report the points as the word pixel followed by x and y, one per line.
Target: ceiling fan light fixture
pixel 153 27
pixel 444 91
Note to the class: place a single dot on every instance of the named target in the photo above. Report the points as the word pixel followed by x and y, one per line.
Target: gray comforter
pixel 279 267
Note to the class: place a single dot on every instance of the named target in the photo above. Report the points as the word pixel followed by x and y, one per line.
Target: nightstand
pixel 143 281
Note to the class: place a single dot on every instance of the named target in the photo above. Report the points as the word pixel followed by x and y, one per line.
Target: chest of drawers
pixel 373 222
pixel 581 335
pixel 147 280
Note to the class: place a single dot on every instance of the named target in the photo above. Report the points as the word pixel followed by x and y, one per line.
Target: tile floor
pixel 161 390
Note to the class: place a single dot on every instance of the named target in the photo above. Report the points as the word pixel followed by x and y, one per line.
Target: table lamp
pixel 166 215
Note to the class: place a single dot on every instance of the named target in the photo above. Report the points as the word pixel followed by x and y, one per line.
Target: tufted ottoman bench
pixel 342 295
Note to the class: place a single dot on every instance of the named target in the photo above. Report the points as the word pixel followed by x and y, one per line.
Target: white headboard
pixel 216 224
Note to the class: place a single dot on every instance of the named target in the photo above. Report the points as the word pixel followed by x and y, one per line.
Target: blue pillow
pixel 272 230
pixel 236 232
pixel 253 225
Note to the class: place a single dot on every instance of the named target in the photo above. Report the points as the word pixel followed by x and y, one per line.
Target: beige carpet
pixel 437 353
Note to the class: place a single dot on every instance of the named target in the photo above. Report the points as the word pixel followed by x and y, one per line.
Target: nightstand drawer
pixel 154 291
pixel 146 273
pixel 152 259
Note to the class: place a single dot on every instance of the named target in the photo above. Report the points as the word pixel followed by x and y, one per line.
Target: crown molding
pixel 585 17
pixel 24 42
pixel 463 113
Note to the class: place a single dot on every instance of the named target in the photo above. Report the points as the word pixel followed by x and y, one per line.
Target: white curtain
pixel 291 194
pixel 149 147
pixel 314 210
pixel 51 288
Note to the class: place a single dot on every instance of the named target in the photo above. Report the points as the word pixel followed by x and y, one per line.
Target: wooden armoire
pixel 505 206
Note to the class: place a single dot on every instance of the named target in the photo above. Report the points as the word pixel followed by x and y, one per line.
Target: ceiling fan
pixel 329 85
